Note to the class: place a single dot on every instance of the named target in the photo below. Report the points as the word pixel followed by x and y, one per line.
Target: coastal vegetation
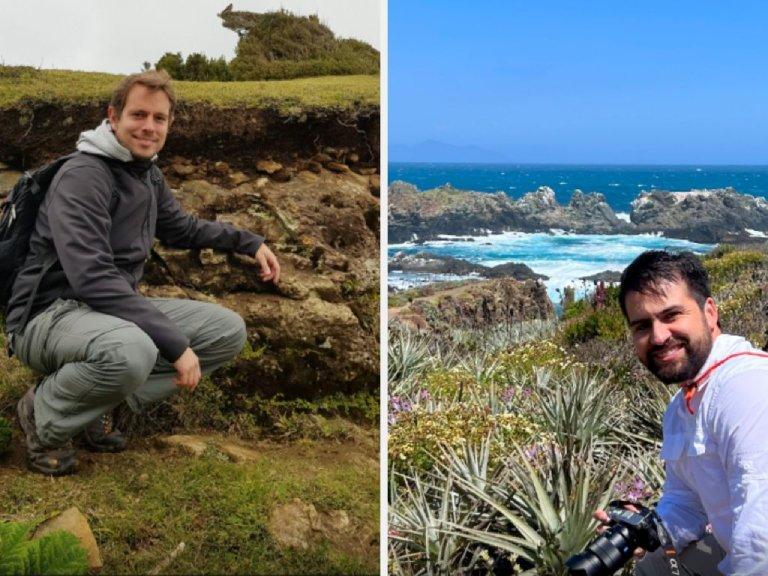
pixel 276 46
pixel 504 440
pixel 23 86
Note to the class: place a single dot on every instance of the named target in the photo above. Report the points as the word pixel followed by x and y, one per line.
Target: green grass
pixel 23 85
pixel 220 510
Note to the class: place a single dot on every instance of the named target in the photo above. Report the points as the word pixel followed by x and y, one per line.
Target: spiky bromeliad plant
pixel 55 553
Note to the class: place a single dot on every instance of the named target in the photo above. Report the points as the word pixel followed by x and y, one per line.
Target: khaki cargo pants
pixel 94 361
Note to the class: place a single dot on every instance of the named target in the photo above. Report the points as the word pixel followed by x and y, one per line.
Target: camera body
pixel 613 548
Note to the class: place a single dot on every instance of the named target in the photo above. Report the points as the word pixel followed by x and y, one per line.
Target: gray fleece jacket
pixel 99 217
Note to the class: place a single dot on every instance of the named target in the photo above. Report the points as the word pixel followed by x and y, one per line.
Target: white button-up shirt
pixel 717 460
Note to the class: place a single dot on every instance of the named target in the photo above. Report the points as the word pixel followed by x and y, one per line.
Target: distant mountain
pixel 434 151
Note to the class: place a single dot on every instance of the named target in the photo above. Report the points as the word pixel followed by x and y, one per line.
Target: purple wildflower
pixel 507 394
pixel 531 452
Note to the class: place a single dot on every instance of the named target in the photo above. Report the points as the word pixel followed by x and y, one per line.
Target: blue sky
pixel 583 82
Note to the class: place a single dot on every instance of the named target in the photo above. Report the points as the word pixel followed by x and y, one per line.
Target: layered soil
pixel 308 181
pixel 35 132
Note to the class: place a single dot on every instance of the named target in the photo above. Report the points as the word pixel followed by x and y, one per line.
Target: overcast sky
pixel 117 36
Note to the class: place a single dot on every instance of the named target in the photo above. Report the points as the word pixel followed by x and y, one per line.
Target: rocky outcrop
pixel 317 331
pixel 426 263
pixel 708 216
pixel 416 215
pixel 477 305
pixel 608 276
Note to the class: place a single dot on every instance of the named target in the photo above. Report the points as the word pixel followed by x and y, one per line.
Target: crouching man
pixel 715 445
pixel 75 313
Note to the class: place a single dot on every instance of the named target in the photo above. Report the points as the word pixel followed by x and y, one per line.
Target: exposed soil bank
pixel 34 133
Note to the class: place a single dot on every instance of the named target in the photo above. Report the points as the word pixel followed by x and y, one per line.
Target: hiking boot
pixel 101 435
pixel 41 458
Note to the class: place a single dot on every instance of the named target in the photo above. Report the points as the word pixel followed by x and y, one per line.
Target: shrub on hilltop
pixel 281 45
pixel 276 46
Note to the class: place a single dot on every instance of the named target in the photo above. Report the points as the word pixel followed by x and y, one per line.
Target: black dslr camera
pixel 613 548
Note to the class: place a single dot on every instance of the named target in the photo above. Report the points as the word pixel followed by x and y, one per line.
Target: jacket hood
pixel 103 142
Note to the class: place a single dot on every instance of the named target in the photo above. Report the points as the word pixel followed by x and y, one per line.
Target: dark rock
pixel 477 305
pixel 709 216
pixel 427 263
pixel 282 175
pixel 337 167
pixel 607 276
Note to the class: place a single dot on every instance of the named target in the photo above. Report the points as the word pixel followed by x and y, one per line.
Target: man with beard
pixel 715 498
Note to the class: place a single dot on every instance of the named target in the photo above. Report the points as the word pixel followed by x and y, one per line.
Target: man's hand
pixel 270 267
pixel 602 517
pixel 188 372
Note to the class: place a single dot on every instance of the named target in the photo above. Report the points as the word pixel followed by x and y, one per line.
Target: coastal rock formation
pixel 477 305
pixel 584 214
pixel 423 215
pixel 416 215
pixel 708 216
pixel 426 263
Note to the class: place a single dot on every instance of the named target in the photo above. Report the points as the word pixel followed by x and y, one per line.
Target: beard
pixel 696 354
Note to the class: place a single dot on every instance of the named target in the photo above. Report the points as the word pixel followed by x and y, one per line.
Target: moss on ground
pixel 141 504
pixel 24 84
pixel 219 509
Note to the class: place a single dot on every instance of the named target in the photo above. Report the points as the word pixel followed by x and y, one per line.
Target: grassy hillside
pixel 22 84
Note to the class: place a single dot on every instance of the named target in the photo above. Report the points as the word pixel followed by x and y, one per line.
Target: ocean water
pixel 565 258
pixel 620 184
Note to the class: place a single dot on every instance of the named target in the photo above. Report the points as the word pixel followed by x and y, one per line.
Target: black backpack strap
pixel 53 258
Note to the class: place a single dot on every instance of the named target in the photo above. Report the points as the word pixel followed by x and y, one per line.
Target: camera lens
pixel 605 555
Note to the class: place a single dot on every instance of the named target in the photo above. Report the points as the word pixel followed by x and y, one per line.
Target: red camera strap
pixel 690 387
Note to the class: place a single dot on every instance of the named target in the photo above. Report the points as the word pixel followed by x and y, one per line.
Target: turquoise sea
pixel 565 258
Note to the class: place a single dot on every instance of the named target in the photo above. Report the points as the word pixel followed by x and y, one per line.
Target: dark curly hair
pixel 646 272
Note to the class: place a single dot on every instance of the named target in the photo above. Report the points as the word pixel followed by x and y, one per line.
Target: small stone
pixel 193 445
pixel 68 121
pixel 239 454
pixel 143 480
pixel 332 152
pixel 353 158
pixel 292 524
pixel 268 166
pixel 337 520
pixel 366 170
pixel 315 167
pixel 237 178
pixel 337 167
pixel 74 522
pixel 221 168
pixel 322 158
pixel 281 176
pixel 183 169
pixel 261 182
